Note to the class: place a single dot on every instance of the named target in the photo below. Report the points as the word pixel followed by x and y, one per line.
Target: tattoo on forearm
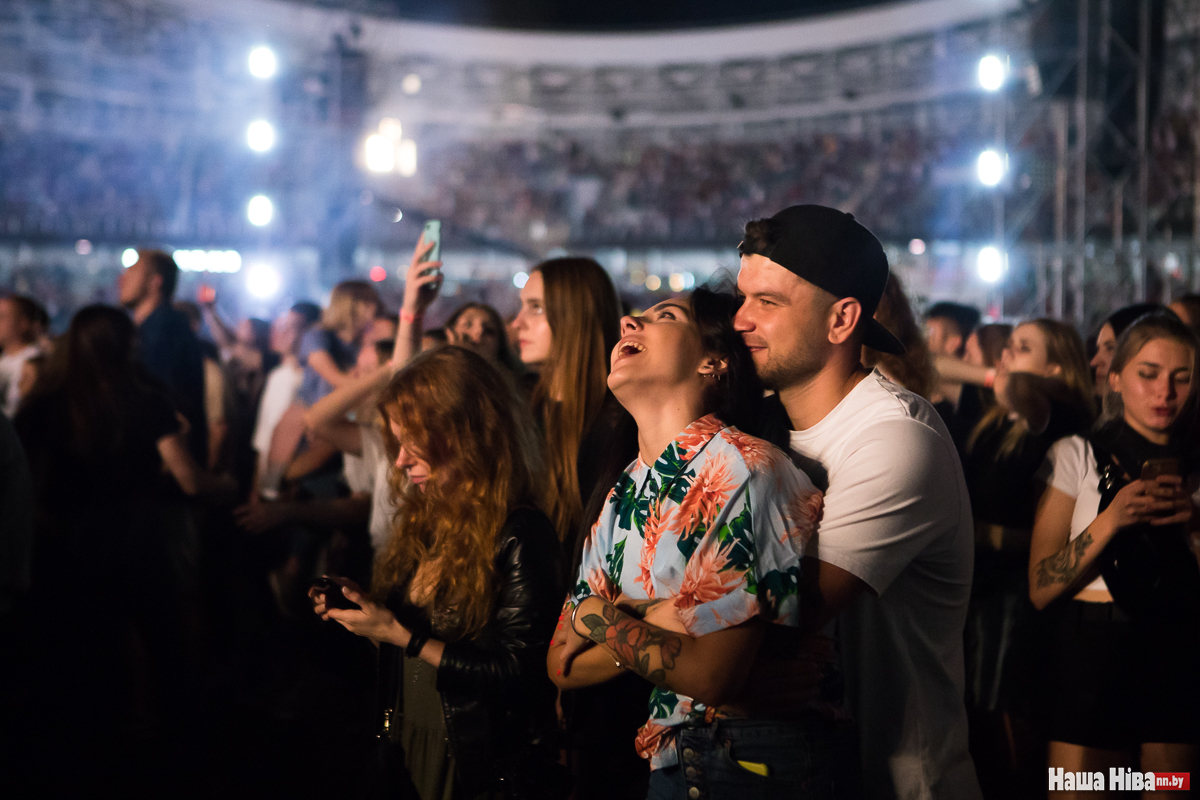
pixel 1063 566
pixel 646 650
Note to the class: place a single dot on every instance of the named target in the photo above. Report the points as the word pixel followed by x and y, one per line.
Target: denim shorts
pixel 812 759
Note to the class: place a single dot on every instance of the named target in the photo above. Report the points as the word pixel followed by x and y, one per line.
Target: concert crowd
pixel 775 537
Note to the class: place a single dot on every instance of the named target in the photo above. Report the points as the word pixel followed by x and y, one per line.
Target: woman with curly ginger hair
pixel 469 584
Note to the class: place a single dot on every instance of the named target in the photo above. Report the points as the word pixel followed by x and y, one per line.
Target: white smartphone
pixel 433 234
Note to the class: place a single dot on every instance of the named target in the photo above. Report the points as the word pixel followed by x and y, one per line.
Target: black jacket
pixel 497 700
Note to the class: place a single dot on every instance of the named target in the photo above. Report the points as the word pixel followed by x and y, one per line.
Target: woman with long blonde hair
pixel 1043 390
pixel 470 582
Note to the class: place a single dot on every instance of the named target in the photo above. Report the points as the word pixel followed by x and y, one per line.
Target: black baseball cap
pixel 832 250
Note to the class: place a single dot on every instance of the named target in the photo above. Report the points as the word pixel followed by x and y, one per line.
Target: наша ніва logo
pixel 1119 780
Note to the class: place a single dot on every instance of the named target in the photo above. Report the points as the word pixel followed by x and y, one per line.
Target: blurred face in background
pixel 943 336
pixel 533 330
pixel 475 330
pixel 285 333
pixel 1106 347
pixel 381 330
pixel 1027 352
pixel 136 283
pixel 15 330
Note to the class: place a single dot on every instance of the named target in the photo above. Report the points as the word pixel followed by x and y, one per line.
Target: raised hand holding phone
pixel 424 276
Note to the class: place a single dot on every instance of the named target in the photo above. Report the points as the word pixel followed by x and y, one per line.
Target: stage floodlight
pixel 262 281
pixel 406 158
pixel 260 210
pixel 391 128
pixel 992 73
pixel 916 247
pixel 260 136
pixel 991 167
pixel 129 257
pixel 377 273
pixel 990 263
pixel 380 153
pixel 520 279
pixel 653 283
pixel 263 63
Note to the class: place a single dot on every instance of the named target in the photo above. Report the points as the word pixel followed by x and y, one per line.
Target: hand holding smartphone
pixel 334 598
pixel 1152 470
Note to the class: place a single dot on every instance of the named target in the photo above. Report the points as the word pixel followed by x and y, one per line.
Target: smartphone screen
pixel 433 235
pixel 1154 467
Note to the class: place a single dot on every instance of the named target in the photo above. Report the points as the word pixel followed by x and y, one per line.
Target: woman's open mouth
pixel 629 349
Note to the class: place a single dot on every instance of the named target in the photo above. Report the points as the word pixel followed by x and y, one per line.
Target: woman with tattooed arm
pixel 691 571
pixel 1110 550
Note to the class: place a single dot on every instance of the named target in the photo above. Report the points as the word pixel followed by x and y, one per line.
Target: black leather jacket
pixel 497 701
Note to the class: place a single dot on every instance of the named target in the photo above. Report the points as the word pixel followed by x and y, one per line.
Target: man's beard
pixel 798 366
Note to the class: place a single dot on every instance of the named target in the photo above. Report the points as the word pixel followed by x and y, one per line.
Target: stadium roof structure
pixel 839 24
pixel 611 15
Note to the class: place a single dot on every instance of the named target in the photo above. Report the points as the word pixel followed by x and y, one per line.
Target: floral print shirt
pixel 719 523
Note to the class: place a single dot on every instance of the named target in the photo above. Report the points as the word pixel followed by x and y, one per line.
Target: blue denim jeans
pixel 812 759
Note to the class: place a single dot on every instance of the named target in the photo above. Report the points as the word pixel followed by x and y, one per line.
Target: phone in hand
pixel 333 594
pixel 433 235
pixel 1154 467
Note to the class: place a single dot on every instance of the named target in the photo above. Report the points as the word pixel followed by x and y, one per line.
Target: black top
pixel 1004 491
pixel 497 700
pixel 97 511
pixel 171 353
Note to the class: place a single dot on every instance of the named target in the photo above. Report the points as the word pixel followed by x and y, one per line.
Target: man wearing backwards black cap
pixel 895 540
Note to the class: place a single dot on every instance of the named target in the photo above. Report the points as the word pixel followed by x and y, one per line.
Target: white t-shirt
pixel 278 395
pixel 897 515
pixel 10 378
pixel 1071 468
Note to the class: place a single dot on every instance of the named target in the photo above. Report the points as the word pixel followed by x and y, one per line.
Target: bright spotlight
pixel 391 128
pixel 653 282
pixel 991 167
pixel 260 210
pixel 917 247
pixel 520 279
pixel 378 273
pixel 992 73
pixel 262 281
pixel 380 153
pixel 406 158
pixel 990 263
pixel 263 62
pixel 129 257
pixel 676 282
pixel 411 83
pixel 260 136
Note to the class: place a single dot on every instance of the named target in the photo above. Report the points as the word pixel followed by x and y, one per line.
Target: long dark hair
pixel 93 371
pixel 585 319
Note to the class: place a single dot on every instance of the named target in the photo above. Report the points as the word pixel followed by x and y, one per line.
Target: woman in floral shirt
pixel 693 563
